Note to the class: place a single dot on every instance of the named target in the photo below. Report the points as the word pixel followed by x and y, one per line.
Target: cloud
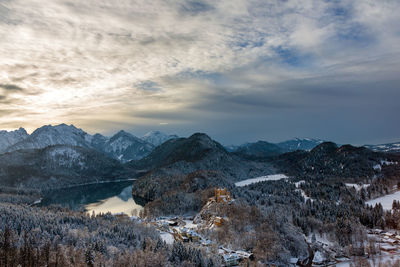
pixel 11 87
pixel 108 63
pixel 148 86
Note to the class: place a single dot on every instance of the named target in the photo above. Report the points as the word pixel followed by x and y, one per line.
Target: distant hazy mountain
pixel 53 135
pixel 259 149
pixel 391 147
pixel 98 142
pixel 8 139
pixel 231 148
pixel 299 144
pixel 125 147
pixel 156 138
pixel 57 166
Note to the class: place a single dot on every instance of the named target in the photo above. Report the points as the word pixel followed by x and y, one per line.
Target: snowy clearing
pixel 167 237
pixel 273 177
pixel 386 201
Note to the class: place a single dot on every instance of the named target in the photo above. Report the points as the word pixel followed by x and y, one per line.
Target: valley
pixel 323 206
pixel 199 133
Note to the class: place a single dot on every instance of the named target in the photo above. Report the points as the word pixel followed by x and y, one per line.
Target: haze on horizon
pixel 238 70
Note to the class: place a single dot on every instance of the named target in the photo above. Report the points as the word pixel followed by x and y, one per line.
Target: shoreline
pixel 91 183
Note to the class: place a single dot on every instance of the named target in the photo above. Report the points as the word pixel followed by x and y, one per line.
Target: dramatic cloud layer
pixel 237 69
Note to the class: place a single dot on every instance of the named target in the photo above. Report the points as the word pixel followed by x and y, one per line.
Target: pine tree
pixel 89 257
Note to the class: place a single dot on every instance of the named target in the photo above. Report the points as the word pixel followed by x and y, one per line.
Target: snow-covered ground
pixel 297 184
pixel 167 237
pixel 303 194
pixel 383 260
pixel 273 177
pixel 386 201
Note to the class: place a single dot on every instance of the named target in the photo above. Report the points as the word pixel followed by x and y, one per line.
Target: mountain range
pixel 64 155
pixel 390 148
pixel 122 146
pixel 262 149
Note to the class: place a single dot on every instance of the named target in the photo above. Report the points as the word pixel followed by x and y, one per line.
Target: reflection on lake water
pixel 98 198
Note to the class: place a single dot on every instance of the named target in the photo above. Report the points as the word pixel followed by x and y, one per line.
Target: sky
pixel 239 70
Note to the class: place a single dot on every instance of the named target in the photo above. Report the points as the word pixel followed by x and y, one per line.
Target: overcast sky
pixel 239 70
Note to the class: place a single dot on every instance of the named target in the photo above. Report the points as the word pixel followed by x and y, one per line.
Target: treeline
pixel 331 209
pixel 32 236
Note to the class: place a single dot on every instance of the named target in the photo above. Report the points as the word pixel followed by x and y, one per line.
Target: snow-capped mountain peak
pixel 157 138
pixel 121 141
pixel 9 138
pixel 125 146
pixel 48 135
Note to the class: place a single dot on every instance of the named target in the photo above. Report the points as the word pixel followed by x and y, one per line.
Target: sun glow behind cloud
pixel 103 64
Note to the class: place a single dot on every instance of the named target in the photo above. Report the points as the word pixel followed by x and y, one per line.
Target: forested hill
pixel 57 166
pixel 347 162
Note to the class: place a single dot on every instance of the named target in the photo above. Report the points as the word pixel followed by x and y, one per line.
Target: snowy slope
pixel 10 138
pixel 54 135
pixel 156 138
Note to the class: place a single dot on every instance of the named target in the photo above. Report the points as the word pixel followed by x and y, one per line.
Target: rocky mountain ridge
pixel 9 138
pixel 122 146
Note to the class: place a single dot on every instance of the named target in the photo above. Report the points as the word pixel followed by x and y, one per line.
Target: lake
pixel 114 197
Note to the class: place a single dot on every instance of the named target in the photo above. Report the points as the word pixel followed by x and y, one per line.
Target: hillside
pixel 200 152
pixel 260 149
pixel 57 166
pixel 198 159
pixel 327 160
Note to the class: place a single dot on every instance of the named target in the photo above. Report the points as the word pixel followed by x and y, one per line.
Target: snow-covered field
pixel 386 201
pixel 273 177
pixel 167 237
